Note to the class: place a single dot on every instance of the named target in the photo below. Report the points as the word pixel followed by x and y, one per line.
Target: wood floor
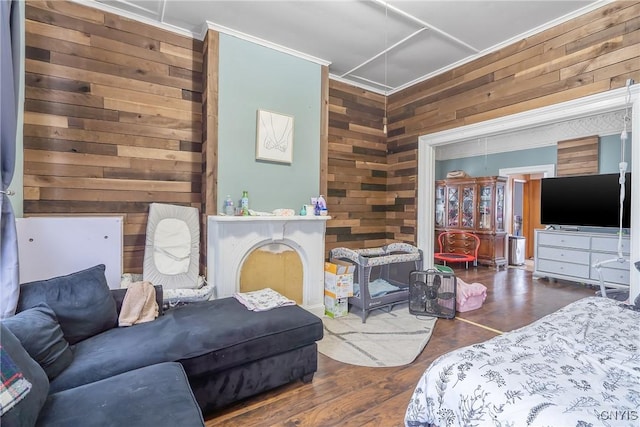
pixel 346 395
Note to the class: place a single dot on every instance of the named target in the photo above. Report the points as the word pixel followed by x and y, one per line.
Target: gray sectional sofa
pixel 191 360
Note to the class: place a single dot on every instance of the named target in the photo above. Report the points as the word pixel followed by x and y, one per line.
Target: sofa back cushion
pixel 15 357
pixel 81 301
pixel 41 335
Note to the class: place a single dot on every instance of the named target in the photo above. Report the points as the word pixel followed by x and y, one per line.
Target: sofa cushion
pixel 40 334
pixel 25 412
pixel 82 302
pixel 157 395
pixel 206 337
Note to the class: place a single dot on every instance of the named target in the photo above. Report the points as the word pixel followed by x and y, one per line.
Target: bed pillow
pixel 40 334
pixel 81 301
pixel 25 412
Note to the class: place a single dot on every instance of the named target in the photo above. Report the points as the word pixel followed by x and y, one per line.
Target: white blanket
pixel 579 366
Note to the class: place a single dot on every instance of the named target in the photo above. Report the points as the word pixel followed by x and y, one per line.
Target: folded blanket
pixel 14 386
pixel 262 300
pixel 139 304
pixel 465 291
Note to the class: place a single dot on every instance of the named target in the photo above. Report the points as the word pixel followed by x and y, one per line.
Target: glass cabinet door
pixel 440 203
pixel 453 206
pixel 500 206
pixel 485 207
pixel 468 206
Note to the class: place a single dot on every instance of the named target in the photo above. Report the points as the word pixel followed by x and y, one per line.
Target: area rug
pixel 386 339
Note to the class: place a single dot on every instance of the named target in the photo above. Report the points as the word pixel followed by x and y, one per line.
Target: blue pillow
pixel 40 334
pixel 25 412
pixel 81 301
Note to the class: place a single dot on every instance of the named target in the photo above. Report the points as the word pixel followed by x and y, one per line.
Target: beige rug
pixel 387 339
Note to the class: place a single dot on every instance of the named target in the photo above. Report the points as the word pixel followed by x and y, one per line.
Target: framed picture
pixel 274 141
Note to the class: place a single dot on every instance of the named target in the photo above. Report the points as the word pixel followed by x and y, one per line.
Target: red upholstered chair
pixel 458 246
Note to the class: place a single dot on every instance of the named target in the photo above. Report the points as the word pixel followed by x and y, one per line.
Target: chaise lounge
pixel 225 351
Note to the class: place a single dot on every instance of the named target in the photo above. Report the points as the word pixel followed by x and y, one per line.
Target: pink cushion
pixel 469 296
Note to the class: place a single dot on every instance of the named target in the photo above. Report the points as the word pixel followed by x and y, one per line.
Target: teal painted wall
pixel 252 78
pixel 490 164
pixel 608 159
pixel 609 154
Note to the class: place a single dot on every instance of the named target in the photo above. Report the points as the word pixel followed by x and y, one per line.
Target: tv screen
pixel 586 200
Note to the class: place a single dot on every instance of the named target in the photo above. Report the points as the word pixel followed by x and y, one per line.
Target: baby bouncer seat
pixel 172 254
pixel 389 266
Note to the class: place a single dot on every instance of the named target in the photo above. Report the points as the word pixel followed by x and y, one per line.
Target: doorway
pixel 523 201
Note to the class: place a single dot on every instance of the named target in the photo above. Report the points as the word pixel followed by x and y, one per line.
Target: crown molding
pixel 215 27
pixel 135 17
pixel 361 85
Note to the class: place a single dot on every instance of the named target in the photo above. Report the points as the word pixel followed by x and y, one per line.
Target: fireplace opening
pixel 276 266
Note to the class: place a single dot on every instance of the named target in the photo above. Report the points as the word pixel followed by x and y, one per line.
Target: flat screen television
pixel 585 200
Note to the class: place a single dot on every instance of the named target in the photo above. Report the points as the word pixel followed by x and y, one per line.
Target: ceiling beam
pixel 419 21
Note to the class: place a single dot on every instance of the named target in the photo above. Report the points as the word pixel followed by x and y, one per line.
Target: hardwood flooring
pixel 346 395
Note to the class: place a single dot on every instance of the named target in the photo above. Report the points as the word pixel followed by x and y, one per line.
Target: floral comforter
pixel 579 366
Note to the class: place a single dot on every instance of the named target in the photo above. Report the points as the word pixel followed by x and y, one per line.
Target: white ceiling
pixel 377 45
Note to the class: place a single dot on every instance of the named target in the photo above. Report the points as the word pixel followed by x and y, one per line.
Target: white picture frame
pixel 274 137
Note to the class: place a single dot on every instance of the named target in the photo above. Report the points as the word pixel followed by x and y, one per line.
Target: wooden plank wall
pixel 210 53
pixel 357 195
pixel 593 53
pixel 578 156
pixel 113 118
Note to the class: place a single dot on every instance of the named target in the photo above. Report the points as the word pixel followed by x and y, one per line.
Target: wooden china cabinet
pixel 476 205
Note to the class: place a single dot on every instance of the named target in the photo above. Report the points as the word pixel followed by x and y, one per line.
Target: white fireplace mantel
pixel 230 239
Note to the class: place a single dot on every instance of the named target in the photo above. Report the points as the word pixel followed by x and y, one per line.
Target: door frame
pixel 547 171
pixel 612 100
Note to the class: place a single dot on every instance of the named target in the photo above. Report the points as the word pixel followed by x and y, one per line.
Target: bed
pixel 579 366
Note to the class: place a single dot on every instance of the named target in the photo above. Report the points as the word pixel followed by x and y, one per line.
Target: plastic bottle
pixel 228 206
pixel 322 205
pixel 244 203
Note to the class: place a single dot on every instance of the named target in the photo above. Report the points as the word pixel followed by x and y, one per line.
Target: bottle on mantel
pixel 322 206
pixel 244 203
pixel 228 206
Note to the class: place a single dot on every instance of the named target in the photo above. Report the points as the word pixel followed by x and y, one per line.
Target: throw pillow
pixel 40 334
pixel 25 412
pixel 82 302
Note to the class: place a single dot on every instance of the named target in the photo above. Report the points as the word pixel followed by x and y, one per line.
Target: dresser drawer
pixel 578 271
pixel 563 255
pixel 563 240
pixel 610 244
pixel 612 275
pixel 600 257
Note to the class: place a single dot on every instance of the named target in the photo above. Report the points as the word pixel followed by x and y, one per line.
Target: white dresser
pixel 570 255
